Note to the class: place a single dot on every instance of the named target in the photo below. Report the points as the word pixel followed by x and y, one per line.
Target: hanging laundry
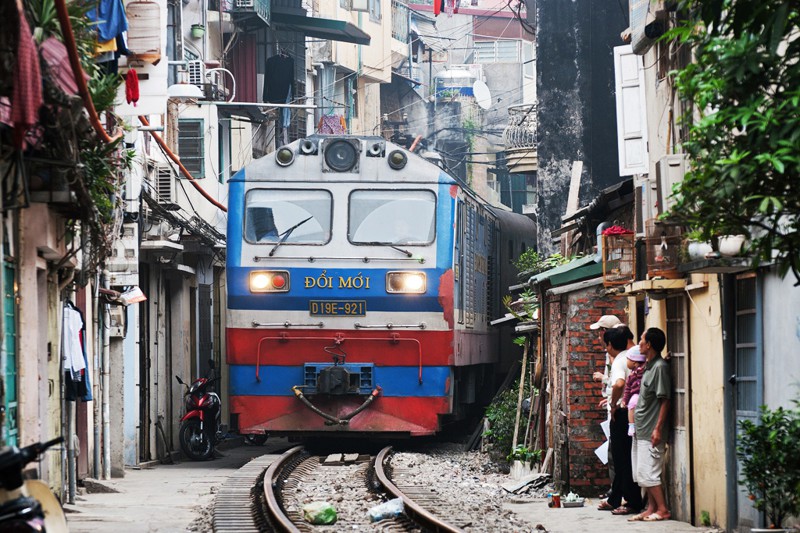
pixel 110 18
pixel 77 383
pixel 71 349
pixel 331 125
pixel 26 96
pixel 278 78
pixel 437 7
pixel 108 46
pixel 56 57
pixel 450 7
pixel 132 87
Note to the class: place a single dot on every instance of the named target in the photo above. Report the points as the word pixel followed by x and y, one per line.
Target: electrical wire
pixel 177 161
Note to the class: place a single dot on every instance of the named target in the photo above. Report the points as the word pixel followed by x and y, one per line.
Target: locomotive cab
pixel 359 290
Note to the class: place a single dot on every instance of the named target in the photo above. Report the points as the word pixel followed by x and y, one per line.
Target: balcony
pixel 400 21
pixel 519 138
pixel 249 13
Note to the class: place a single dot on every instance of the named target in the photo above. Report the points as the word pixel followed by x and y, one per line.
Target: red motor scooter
pixel 201 429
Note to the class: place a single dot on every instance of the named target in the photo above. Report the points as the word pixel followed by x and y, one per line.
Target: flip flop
pixel 655 517
pixel 622 510
pixel 638 517
pixel 605 506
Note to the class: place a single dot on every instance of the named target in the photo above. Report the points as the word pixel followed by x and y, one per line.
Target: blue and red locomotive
pixel 361 282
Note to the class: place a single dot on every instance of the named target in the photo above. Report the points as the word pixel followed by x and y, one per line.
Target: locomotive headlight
pixel 284 156
pixel 397 160
pixel 406 282
pixel 269 281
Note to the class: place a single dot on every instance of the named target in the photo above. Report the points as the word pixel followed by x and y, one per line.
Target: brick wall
pixel 575 355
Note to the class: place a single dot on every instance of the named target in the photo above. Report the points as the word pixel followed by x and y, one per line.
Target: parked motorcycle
pixel 27 505
pixel 201 429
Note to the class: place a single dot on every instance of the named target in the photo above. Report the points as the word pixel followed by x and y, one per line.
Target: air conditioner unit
pixel 669 172
pixel 197 72
pixel 162 183
pixel 647 204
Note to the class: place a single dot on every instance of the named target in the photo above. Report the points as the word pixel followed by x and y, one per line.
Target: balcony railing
pixel 399 21
pixel 245 10
pixel 521 129
pixel 520 138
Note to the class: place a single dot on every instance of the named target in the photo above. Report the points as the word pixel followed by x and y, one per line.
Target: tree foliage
pixel 769 453
pixel 743 120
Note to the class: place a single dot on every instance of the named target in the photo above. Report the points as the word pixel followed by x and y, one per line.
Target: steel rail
pixel 411 509
pixel 277 516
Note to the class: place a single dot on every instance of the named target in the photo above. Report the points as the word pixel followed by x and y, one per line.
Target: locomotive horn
pixel 375 149
pixel 308 147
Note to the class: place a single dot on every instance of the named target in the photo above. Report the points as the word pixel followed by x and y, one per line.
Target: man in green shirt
pixel 651 420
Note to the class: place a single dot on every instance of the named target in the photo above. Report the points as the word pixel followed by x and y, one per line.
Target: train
pixel 361 280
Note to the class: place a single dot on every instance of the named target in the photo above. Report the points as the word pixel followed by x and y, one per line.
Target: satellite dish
pixel 482 94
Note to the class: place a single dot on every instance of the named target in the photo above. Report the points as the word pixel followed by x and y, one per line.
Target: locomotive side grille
pixel 469 274
pixel 491 300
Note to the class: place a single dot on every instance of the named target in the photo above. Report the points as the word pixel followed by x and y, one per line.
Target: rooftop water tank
pixel 453 82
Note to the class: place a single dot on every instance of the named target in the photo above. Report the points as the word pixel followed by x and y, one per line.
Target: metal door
pixel 205 344
pixel 10 431
pixel 748 374
pixel 679 480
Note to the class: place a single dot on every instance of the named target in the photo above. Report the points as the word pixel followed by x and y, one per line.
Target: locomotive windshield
pixel 270 213
pixel 392 217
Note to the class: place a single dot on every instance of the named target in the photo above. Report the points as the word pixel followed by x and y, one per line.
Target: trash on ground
pixel 525 484
pixel 387 509
pixel 319 513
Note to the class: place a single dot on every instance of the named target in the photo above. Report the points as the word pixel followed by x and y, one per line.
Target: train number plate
pixel 337 307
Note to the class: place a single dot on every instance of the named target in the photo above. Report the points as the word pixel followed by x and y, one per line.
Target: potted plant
pixel 198 30
pixel 769 454
pixel 522 459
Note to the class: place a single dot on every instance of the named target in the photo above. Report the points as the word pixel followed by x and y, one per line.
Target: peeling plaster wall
pixel 575 86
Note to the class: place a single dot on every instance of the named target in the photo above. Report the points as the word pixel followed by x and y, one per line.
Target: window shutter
pixel 631 117
pixel 191 146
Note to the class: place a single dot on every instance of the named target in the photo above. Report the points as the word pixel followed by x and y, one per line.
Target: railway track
pixel 371 480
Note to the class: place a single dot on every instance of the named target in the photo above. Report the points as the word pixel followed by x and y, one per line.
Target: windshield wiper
pixel 401 250
pixel 285 235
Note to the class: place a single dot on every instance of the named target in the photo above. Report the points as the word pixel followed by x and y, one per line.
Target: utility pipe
pixel 71 451
pixel 77 72
pixel 185 172
pixel 3 353
pixel 233 80
pixel 106 385
pixel 96 382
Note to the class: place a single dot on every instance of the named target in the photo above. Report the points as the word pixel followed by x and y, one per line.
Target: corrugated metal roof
pixel 576 263
pixel 425 30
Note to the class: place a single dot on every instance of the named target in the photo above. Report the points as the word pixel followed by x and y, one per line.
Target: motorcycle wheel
pixel 194 442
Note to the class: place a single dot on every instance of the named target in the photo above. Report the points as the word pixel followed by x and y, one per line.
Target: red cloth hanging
pixel 26 96
pixel 437 7
pixel 616 230
pixel 132 87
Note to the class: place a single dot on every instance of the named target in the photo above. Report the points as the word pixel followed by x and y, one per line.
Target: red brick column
pixel 585 355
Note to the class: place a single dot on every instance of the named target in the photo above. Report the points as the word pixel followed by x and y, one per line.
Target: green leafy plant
pixel 769 454
pixel 530 262
pixel 524 454
pixel 741 101
pixel 501 414
pixel 522 309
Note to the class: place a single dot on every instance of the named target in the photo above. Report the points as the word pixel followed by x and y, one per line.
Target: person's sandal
pixel 622 510
pixel 638 517
pixel 605 506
